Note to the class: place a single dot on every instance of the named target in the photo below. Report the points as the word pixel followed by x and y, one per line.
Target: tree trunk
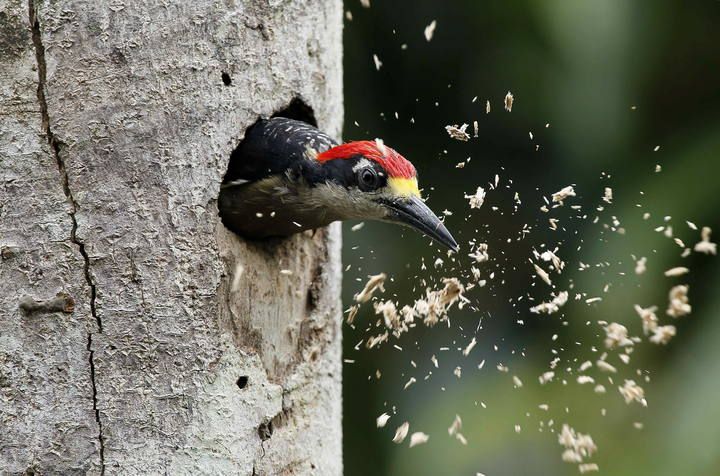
pixel 137 335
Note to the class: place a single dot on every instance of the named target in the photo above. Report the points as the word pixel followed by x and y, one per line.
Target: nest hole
pixel 298 110
pixel 245 166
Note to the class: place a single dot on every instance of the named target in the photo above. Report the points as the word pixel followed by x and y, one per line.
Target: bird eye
pixel 367 179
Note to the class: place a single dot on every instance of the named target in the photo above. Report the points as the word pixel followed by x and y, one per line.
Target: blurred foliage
pixel 579 66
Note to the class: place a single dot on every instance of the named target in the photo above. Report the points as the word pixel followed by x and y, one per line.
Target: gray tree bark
pixel 137 335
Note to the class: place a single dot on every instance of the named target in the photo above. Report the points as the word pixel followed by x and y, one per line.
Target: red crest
pixel 394 164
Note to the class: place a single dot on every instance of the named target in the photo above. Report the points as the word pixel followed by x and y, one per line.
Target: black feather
pixel 274 146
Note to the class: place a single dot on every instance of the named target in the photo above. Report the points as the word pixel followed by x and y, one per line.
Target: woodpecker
pixel 287 176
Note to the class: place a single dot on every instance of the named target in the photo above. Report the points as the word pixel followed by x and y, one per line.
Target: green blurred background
pixel 580 66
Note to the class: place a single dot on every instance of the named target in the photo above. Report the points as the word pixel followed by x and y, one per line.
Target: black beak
pixel 414 213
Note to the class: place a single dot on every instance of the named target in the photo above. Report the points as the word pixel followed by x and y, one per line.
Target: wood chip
pixel 509 99
pixel 401 433
pixel 430 30
pixel 677 271
pixel 375 282
pixel 382 420
pixel 458 132
pixel 418 438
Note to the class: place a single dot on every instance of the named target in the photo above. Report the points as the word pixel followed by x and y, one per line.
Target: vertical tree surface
pixel 138 335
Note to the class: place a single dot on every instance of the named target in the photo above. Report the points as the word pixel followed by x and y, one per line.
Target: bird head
pixel 373 181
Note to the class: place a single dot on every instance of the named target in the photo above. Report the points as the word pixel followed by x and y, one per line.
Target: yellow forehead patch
pixel 404 187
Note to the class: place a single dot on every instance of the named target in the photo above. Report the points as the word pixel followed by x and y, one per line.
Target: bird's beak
pixel 413 212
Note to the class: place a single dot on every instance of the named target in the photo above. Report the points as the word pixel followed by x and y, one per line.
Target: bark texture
pixel 137 335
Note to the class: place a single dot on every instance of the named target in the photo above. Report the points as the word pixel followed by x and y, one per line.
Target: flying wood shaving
pixel 481 254
pixel 552 306
pixel 375 282
pixel 452 291
pixel 633 392
pixel 558 264
pixel 454 430
pixel 706 246
pixel 430 30
pixel 365 3
pixel 469 347
pixel 649 318
pixel 381 146
pixel 352 313
pixel 605 367
pixel 509 99
pixel 401 433
pixel 487 107
pixel 677 271
pixel 377 62
pixel 641 266
pixel 577 445
pixel 477 199
pixel 391 317
pixel 608 196
pixel 546 377
pixel 458 132
pixel 616 336
pixel 418 438
pixel 679 303
pixel 436 303
pixel 663 334
pixel 560 196
pixel 377 340
pixel 543 275
pixel 588 467
pixel 455 426
pixel 408 314
pixel 382 420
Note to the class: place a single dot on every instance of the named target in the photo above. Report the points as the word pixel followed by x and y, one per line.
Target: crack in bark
pixel 55 145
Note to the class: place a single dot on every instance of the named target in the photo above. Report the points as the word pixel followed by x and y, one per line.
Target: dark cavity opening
pixel 226 79
pixel 242 381
pixel 298 110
